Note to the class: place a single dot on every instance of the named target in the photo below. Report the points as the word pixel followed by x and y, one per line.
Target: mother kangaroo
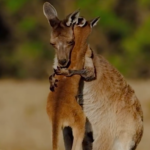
pixel 108 101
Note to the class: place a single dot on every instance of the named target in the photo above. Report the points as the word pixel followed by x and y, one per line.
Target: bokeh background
pixel 122 36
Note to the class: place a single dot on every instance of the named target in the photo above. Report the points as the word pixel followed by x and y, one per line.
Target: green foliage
pixel 144 3
pixel 30 51
pixel 133 45
pixel 124 26
pixel 132 40
pixel 14 5
pixel 27 24
pixel 104 10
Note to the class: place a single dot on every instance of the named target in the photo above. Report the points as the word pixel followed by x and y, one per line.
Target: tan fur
pixel 62 107
pixel 112 108
pixel 60 39
pixel 108 101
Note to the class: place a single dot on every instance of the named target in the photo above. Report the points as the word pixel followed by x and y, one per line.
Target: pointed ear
pixel 72 18
pixel 94 22
pixel 81 22
pixel 50 13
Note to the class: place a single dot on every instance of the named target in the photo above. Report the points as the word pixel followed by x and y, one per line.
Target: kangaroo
pixel 111 106
pixel 62 107
pixel 62 39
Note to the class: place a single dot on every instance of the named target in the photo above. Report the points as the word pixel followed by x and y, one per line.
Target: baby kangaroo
pixel 62 106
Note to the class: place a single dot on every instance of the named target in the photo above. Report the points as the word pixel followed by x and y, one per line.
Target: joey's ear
pixel 81 22
pixel 94 22
pixel 72 18
pixel 50 13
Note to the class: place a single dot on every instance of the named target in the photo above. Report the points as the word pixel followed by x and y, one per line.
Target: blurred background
pixel 122 36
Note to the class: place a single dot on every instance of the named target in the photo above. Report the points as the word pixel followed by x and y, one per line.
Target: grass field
pixel 24 124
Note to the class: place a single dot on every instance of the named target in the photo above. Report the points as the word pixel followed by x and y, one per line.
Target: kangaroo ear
pixel 50 13
pixel 72 18
pixel 81 22
pixel 94 22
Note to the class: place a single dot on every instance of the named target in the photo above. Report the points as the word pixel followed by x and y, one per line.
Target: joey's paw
pixel 61 71
pixel 53 82
pixel 52 86
pixel 57 71
pixel 88 74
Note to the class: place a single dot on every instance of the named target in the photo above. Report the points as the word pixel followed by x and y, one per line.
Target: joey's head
pixel 62 36
pixel 83 28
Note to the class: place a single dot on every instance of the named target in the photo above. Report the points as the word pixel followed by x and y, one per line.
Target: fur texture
pixel 62 107
pixel 112 107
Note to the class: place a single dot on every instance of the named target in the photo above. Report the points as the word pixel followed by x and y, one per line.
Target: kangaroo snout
pixel 63 61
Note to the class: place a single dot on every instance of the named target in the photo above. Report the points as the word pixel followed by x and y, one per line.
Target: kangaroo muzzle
pixel 62 62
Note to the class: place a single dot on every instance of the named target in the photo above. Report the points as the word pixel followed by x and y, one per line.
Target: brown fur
pixel 62 107
pixel 65 35
pixel 112 108
pixel 109 103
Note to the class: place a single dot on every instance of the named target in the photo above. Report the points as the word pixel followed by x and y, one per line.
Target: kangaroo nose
pixel 63 61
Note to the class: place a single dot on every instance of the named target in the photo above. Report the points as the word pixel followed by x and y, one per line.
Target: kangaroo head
pixel 62 36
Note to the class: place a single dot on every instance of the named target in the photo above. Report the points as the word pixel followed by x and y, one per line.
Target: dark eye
pixel 71 42
pixel 53 44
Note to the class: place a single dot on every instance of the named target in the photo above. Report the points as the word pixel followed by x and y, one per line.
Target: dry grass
pixel 24 124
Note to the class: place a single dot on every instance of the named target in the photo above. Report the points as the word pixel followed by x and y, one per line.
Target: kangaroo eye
pixel 53 44
pixel 71 42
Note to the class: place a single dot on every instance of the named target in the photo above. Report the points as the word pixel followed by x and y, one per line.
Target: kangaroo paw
pixel 62 71
pixel 88 74
pixel 53 82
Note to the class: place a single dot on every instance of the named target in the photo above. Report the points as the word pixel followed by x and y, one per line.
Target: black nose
pixel 62 62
